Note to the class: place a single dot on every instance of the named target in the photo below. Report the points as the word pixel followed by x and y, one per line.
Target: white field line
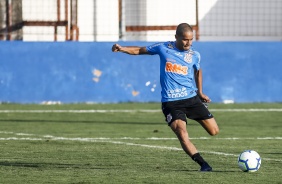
pixel 246 110
pixel 133 111
pixel 50 137
pixel 124 143
pixel 157 138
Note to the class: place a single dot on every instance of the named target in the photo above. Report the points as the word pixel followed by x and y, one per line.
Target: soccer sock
pixel 198 158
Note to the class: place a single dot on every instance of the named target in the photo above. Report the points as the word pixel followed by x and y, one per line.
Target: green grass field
pixel 80 143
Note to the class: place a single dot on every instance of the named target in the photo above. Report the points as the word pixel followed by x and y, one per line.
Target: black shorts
pixel 191 108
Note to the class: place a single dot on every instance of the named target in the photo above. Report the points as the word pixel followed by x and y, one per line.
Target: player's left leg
pixel 179 128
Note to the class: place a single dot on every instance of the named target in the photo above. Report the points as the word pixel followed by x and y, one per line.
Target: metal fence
pixel 133 20
pixel 243 19
pixel 31 19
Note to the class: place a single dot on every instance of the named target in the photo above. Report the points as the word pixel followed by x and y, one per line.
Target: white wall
pixel 218 19
pixel 106 20
pixel 97 20
pixel 241 20
pixel 157 13
pixel 37 10
pixel 85 20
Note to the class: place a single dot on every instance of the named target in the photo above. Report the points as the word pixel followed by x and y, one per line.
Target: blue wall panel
pixel 243 71
pixel 71 72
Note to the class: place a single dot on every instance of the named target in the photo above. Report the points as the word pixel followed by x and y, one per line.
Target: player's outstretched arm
pixel 199 84
pixel 132 50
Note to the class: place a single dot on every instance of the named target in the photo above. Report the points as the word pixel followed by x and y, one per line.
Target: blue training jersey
pixel 176 70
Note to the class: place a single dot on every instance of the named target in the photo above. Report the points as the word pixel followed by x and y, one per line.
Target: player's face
pixel 184 42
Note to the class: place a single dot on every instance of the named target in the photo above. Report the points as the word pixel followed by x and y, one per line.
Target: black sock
pixel 198 158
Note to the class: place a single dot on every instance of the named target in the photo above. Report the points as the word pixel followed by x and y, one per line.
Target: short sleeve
pixel 153 49
pixel 197 60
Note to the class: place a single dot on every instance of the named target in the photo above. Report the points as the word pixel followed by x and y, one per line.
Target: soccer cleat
pixel 206 167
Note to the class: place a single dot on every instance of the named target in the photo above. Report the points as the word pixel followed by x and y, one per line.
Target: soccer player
pixel 181 99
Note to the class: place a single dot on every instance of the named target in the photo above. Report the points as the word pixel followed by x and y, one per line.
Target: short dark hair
pixel 182 28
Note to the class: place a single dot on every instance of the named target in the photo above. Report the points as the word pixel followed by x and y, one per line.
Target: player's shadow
pixel 273 153
pixel 80 121
pixel 214 171
pixel 48 165
pixel 90 121
pixel 230 171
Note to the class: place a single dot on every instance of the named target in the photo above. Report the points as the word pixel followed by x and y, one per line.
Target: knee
pixel 214 131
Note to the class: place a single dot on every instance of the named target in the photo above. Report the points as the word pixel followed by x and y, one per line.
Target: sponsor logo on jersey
pixel 176 68
pixel 177 93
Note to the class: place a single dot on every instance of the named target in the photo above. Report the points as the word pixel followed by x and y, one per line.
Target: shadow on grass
pixel 231 171
pixel 89 166
pixel 214 171
pixel 88 121
pixel 273 153
pixel 49 165
pixel 80 121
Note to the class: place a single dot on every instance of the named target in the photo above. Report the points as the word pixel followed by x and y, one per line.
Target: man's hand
pixel 204 98
pixel 116 48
